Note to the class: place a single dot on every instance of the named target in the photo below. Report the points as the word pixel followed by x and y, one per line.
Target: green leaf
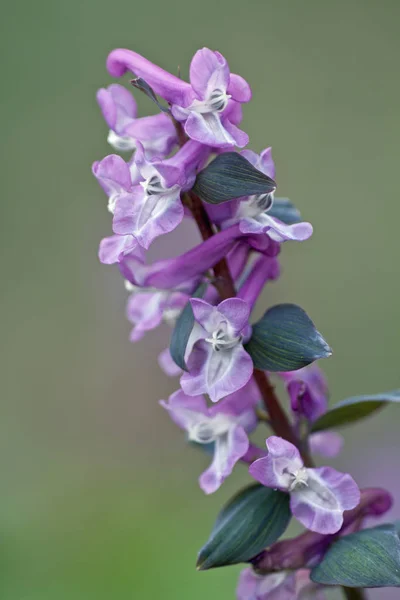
pixel 144 87
pixel 368 558
pixel 182 330
pixel 230 176
pixel 285 339
pixel 252 520
pixel 353 409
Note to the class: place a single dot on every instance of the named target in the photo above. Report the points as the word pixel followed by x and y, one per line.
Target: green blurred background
pixel 99 495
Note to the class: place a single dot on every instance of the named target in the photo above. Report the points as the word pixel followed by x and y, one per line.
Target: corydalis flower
pixel 225 425
pixel 147 308
pixel 156 133
pixel 285 585
pixel 217 363
pixel 308 392
pixel 153 207
pixel 207 106
pixel 256 214
pixel 318 497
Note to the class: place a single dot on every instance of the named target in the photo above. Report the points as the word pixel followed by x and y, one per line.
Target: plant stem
pixel 353 593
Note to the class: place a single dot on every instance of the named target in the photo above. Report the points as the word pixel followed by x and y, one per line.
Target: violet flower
pixel 226 425
pixel 147 308
pixel 308 393
pixel 285 585
pixel 217 363
pixel 206 106
pixel 318 497
pixel 153 207
pixel 252 212
pixel 156 133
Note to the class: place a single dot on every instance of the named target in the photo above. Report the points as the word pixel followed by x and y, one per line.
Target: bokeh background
pixel 99 495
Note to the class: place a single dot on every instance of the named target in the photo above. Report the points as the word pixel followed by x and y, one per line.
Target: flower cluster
pixel 184 163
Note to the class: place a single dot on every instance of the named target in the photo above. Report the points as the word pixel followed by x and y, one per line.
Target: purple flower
pixel 308 391
pixel 156 133
pixel 308 549
pixel 318 497
pixel 264 269
pixel 251 212
pixel 285 585
pixel 147 308
pixel 217 363
pixel 207 106
pixel 326 443
pixel 114 176
pixel 225 425
pixel 153 207
pixel 171 272
pixel 208 118
pixel 167 364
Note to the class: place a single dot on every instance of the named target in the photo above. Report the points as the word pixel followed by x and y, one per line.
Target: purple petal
pixel 228 449
pixel 145 311
pixel 266 164
pixel 113 174
pixel 276 230
pixel 147 217
pixel 208 129
pixel 274 586
pixel 169 273
pixel 112 249
pixel 240 137
pixel 240 403
pixel 157 134
pixel 118 106
pixel 216 373
pixel 239 89
pixel 326 443
pixel 209 71
pixel 184 410
pixel 263 270
pixel 169 87
pixel 308 391
pixel 275 469
pixel 167 364
pixel 320 504
pixel 236 311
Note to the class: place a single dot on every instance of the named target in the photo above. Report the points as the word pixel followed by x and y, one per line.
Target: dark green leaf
pixel 368 558
pixel 285 211
pixel 182 330
pixel 250 522
pixel 144 87
pixel 285 339
pixel 353 409
pixel 230 176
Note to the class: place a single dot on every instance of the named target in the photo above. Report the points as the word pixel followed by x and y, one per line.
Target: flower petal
pixel 239 89
pixel 274 470
pixel 185 410
pixel 167 364
pixel 145 311
pixel 319 505
pixel 113 174
pixel 112 249
pixel 228 449
pixel 326 443
pixel 236 311
pixel 209 71
pixel 118 106
pixel 216 373
pixel 208 129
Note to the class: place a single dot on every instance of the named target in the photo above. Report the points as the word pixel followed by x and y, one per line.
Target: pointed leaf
pixel 229 176
pixel 251 521
pixel 144 87
pixel 285 339
pixel 368 558
pixel 182 330
pixel 353 409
